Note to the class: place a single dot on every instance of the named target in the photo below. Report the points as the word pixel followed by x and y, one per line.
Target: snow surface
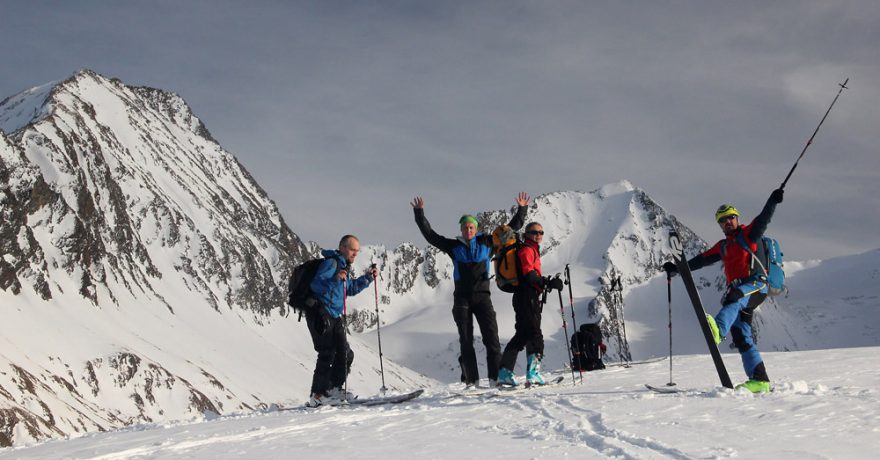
pixel 824 405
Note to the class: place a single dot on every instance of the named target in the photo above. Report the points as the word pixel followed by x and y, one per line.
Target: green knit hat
pixel 468 219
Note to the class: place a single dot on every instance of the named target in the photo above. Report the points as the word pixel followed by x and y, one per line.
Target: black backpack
pixel 587 343
pixel 299 292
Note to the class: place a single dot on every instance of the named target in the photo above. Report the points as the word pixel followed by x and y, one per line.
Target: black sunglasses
pixel 535 232
pixel 726 218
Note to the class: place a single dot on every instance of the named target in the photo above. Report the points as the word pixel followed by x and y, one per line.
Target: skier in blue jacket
pixel 471 259
pixel 331 285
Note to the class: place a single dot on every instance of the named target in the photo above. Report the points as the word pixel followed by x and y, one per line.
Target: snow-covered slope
pixel 826 411
pixel 836 302
pixel 143 270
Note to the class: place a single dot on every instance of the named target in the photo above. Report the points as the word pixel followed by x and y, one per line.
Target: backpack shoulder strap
pixel 741 240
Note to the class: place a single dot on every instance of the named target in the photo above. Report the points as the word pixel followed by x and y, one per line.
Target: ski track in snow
pixel 610 415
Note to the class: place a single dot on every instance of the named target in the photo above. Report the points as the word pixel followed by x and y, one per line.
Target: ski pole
pixel 626 355
pixel 379 331
pixel 578 347
pixel 842 87
pixel 669 298
pixel 565 329
pixel 345 334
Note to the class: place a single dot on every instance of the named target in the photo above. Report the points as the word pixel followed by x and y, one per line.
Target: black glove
pixel 776 196
pixel 670 268
pixel 554 283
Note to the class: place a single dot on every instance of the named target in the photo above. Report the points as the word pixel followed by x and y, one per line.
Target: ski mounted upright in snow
pixel 688 279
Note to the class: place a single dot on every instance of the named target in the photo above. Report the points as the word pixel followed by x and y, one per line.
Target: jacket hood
pixel 334 254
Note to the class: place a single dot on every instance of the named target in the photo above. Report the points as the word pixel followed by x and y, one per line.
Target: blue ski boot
pixel 533 375
pixel 506 378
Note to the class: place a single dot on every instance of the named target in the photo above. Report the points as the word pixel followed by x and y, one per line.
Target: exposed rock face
pixel 107 182
pixel 119 196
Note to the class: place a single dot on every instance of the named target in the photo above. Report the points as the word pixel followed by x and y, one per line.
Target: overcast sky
pixel 344 111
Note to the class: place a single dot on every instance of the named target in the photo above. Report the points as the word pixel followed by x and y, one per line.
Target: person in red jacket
pixel 746 285
pixel 528 308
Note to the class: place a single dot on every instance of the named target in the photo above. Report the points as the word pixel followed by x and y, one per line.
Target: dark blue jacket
pixel 471 260
pixel 328 289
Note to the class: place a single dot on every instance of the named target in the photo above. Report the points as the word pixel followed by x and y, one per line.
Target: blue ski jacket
pixel 328 289
pixel 471 260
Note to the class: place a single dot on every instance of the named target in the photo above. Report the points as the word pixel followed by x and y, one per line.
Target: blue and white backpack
pixel 769 257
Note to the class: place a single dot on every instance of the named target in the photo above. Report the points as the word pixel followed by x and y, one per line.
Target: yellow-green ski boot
pixel 716 334
pixel 755 386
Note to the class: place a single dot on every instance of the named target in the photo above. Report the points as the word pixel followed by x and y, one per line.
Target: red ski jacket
pixel 530 261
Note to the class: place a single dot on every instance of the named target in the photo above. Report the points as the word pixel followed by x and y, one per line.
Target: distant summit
pixel 132 245
pixel 121 188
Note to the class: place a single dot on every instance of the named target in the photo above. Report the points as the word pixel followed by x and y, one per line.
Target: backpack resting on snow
pixel 588 348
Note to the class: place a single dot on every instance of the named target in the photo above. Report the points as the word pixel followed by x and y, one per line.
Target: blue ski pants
pixel 736 316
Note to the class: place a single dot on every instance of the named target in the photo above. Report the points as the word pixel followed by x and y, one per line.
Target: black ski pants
pixel 334 354
pixel 528 308
pixel 465 309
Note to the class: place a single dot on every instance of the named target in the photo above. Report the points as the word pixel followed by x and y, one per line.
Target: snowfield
pixel 824 405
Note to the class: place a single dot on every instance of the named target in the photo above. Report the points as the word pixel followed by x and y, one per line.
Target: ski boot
pixel 317 399
pixel 716 333
pixel 341 394
pixel 506 378
pixel 755 386
pixel 533 375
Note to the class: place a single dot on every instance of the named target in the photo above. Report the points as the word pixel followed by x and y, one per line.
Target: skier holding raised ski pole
pixel 379 328
pixel 578 347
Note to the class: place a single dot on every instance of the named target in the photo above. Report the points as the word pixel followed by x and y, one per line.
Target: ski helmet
pixel 726 210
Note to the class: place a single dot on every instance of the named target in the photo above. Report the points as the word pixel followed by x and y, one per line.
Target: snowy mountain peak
pixel 130 180
pixel 128 236
pixel 25 107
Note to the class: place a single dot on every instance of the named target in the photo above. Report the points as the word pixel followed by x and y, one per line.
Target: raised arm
pixel 759 225
pixel 519 219
pixel 440 242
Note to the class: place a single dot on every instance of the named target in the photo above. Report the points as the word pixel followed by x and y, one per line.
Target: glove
pixel 555 283
pixel 670 268
pixel 776 196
